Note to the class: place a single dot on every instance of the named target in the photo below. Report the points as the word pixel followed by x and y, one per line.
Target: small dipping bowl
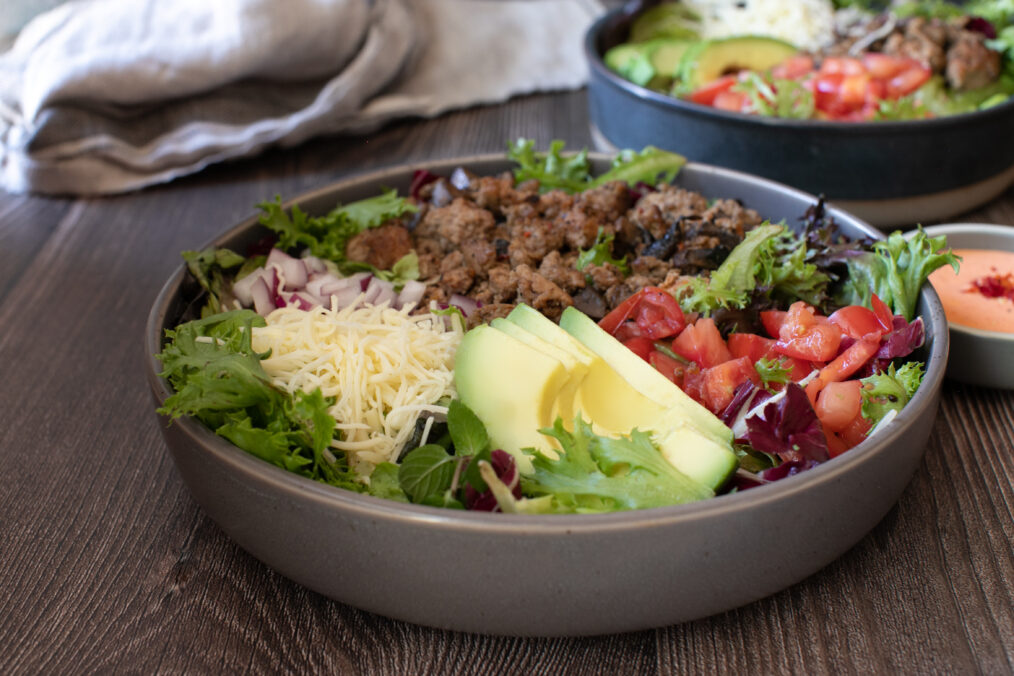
pixel 979 357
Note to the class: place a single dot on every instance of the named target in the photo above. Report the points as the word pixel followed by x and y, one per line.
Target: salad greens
pixel 572 173
pixel 218 379
pixel 601 252
pixel 890 390
pixel 327 236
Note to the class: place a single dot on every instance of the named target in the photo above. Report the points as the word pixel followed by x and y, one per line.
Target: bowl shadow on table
pixel 561 575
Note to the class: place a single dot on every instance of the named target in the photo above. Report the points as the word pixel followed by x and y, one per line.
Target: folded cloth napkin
pixel 106 96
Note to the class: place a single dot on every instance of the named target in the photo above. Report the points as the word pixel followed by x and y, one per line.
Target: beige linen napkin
pixel 106 96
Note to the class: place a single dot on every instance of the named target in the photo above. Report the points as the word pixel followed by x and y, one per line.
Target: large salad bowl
pixel 549 575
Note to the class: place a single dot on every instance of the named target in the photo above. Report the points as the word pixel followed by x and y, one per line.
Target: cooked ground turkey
pixel 501 243
pixel 955 49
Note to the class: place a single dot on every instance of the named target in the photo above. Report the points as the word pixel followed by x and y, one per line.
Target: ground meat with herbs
pixel 381 247
pixel 501 244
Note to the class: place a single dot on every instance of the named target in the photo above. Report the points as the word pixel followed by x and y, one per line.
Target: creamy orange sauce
pixel 962 303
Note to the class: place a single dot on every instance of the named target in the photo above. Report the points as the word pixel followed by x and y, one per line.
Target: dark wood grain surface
pixel 108 566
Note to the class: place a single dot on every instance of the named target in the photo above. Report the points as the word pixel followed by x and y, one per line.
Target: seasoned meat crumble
pixel 501 243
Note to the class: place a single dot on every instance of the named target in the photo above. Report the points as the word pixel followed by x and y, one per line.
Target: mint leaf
pixel 384 483
pixel 467 431
pixel 426 471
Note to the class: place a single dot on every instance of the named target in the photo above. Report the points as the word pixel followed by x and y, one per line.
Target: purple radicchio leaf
pixel 901 341
pixel 789 428
pixel 787 469
pixel 507 471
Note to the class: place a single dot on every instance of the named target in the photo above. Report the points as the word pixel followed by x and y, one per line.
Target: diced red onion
pixel 293 269
pixel 460 179
pixel 263 304
pixel 242 288
pixel 411 293
pixel 314 265
pixel 463 303
pixel 344 297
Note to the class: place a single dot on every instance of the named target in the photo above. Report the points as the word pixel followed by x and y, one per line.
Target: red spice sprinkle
pixel 994 285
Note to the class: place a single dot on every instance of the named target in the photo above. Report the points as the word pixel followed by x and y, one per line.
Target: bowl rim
pixel 522 524
pixel 1002 231
pixel 888 128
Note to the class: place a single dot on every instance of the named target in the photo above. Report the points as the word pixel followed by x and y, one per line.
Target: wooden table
pixel 107 564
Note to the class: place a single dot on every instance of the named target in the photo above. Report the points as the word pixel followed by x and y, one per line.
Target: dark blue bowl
pixel 889 173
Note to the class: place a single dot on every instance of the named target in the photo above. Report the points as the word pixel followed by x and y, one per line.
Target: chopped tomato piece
pixel 772 321
pixel 907 81
pixel 883 312
pixel 656 313
pixel 883 66
pixel 835 444
pixel 641 346
pixel 702 344
pixel 793 68
pixel 731 101
pixel 803 335
pixel 842 65
pixel 750 345
pixel 853 90
pixel 721 381
pixel 856 431
pixel 667 366
pixel 693 382
pixel 838 404
pixel 706 94
pixel 851 360
pixel 856 321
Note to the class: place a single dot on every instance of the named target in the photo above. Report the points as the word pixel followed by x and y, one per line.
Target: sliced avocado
pixel 699 457
pixel 577 368
pixel 631 62
pixel 707 61
pixel 651 64
pixel 667 55
pixel 604 397
pixel 641 375
pixel 668 20
pixel 512 388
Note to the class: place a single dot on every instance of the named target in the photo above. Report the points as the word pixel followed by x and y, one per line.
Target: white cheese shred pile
pixel 385 368
pixel 807 24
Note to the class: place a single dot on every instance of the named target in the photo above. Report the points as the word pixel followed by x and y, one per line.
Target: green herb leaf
pixel 773 371
pixel 890 390
pixel 601 253
pixel 384 483
pixel 426 471
pixel 467 431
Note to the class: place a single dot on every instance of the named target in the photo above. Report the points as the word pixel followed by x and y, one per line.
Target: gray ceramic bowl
pixel 979 357
pixel 550 575
pixel 888 173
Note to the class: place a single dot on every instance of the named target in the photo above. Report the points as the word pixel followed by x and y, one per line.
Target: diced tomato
pixel 856 321
pixel 750 345
pixel 842 65
pixel 641 346
pixel 883 66
pixel 772 321
pixel 693 382
pixel 856 431
pixel 838 404
pixel 721 381
pixel 803 335
pixel 883 312
pixel 731 101
pixel 706 94
pixel 702 344
pixel 656 313
pixel 907 81
pixel 626 331
pixel 667 366
pixel 793 68
pixel 835 444
pixel 853 90
pixel 851 360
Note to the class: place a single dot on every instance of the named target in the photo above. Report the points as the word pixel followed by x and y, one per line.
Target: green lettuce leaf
pixel 890 390
pixel 895 270
pixel 601 474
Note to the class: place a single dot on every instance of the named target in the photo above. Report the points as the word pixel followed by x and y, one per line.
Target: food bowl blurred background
pixel 890 173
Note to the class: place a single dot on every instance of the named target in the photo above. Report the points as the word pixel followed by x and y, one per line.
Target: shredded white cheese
pixel 384 366
pixel 807 24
